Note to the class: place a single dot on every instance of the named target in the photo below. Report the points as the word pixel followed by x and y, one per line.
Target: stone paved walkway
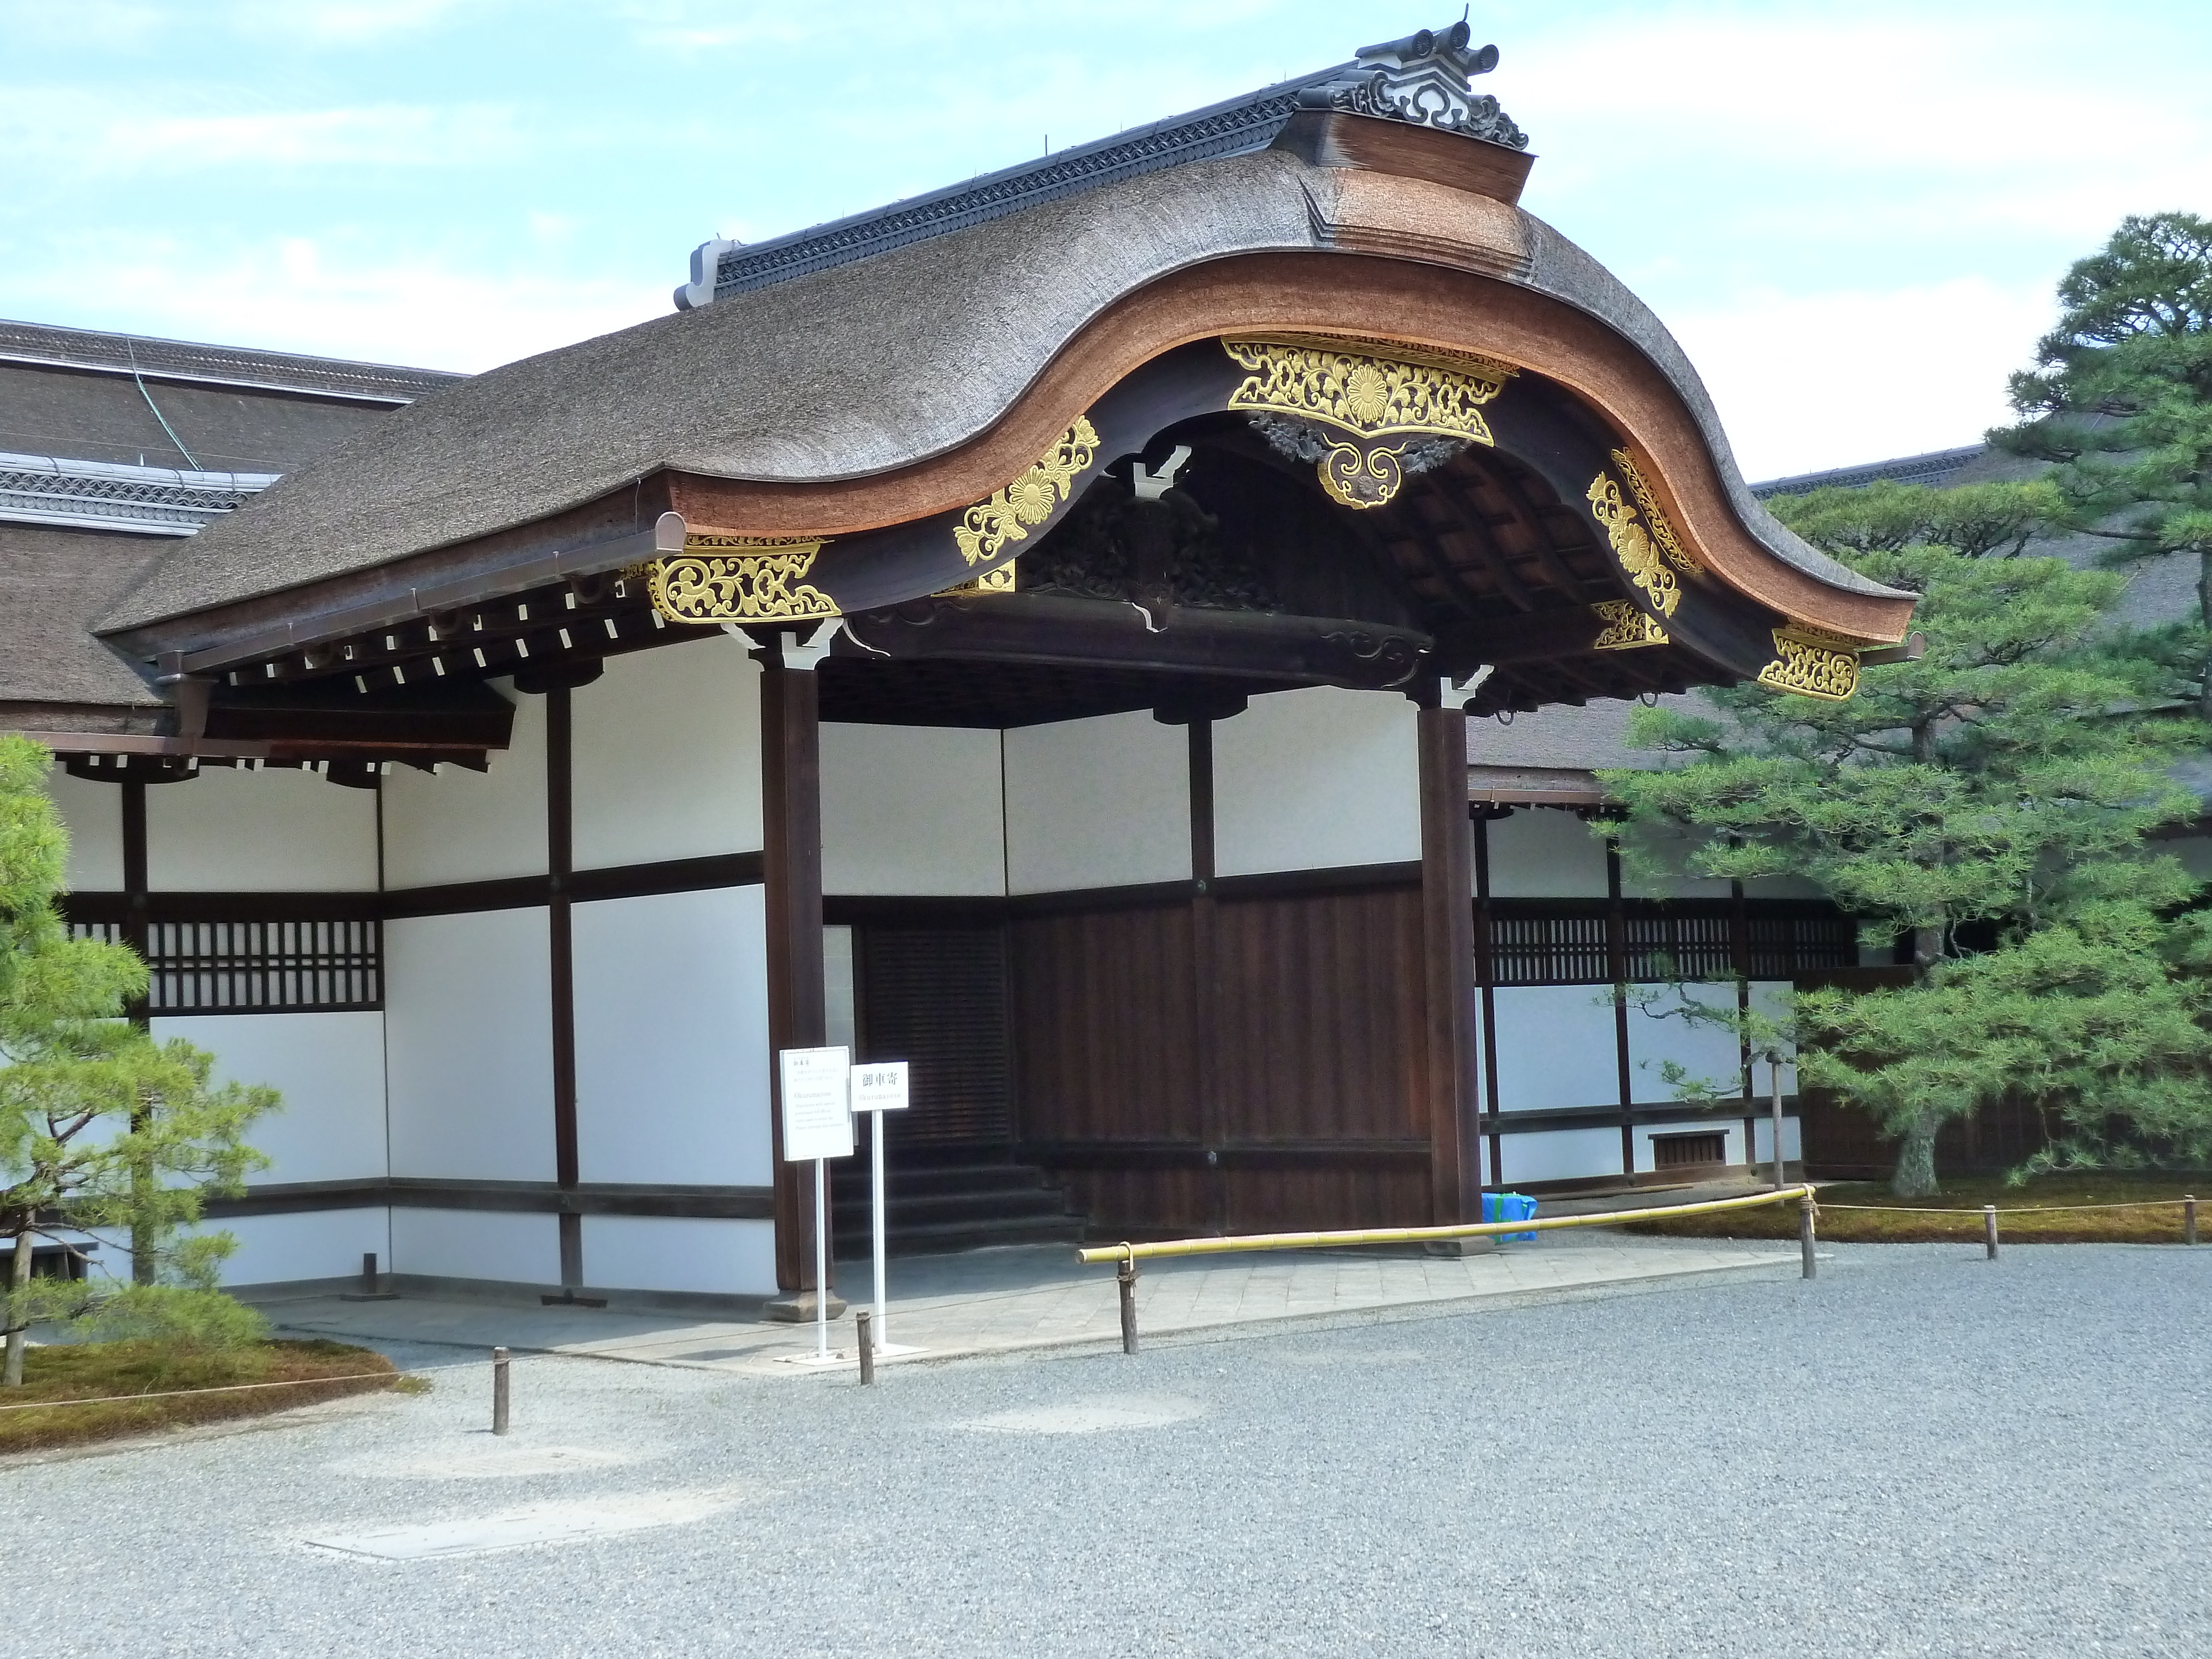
pixel 999 1301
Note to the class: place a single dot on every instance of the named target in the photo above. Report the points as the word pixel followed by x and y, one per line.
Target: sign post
pixel 817 1126
pixel 880 1087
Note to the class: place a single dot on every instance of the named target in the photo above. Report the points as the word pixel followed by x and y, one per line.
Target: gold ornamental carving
pixel 1029 501
pixel 1626 627
pixel 1371 388
pixel 1646 548
pixel 1374 390
pixel 1811 665
pixel 718 578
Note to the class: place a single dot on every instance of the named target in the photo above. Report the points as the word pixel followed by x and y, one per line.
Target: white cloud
pixel 101 135
pixel 1808 382
pixel 295 294
pixel 342 22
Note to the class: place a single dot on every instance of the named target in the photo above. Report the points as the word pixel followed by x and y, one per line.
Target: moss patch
pixel 142 1387
pixel 1864 1212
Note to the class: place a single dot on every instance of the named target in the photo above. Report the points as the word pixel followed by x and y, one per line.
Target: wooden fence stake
pixel 1127 1278
pixel 499 1391
pixel 861 1322
pixel 1989 1228
pixel 1805 1225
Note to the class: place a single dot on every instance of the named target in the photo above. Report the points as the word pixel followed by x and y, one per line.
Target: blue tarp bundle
pixel 1508 1206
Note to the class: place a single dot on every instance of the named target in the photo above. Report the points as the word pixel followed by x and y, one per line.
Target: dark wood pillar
pixel 136 924
pixel 1206 989
pixel 1486 976
pixel 1448 958
pixel 790 861
pixel 560 865
pixel 1616 956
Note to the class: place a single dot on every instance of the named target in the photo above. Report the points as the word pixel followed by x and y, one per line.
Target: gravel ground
pixel 1920 1454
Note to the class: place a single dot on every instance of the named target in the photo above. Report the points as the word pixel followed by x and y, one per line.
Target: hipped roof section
pixel 871 367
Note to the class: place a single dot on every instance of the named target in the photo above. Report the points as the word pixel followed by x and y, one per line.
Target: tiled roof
pixel 1935 467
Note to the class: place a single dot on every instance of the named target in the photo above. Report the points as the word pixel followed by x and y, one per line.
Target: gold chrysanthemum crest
pixel 1009 515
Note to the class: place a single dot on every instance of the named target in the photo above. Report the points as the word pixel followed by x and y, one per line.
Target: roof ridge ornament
pixel 1424 79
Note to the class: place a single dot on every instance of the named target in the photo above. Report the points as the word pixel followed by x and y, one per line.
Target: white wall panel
pixel 330 1069
pixel 912 810
pixel 468 1030
pixel 273 1249
pixel 655 1253
pixel 1646 1161
pixel 1763 1140
pixel 2195 853
pixel 522 1249
pixel 230 830
pixel 1555 1048
pixel 94 814
pixel 666 755
pixel 672 1038
pixel 1317 778
pixel 1707 1052
pixel 1561 1155
pixel 1097 803
pixel 460 825
pixel 1542 852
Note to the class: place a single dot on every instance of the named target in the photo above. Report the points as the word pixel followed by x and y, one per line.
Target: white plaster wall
pixel 1097 803
pixel 839 1021
pixel 656 1253
pixel 460 825
pixel 1708 1052
pixel 1555 1049
pixel 1561 1155
pixel 274 1249
pixel 672 1039
pixel 666 747
pixel 92 813
pixel 330 1069
pixel 1542 852
pixel 1763 1140
pixel 913 809
pixel 1781 887
pixel 469 1023
pixel 229 829
pixel 522 1249
pixel 1646 1160
pixel 1315 779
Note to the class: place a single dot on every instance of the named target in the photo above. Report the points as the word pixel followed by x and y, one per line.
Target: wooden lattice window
pixel 1689 1151
pixel 293 965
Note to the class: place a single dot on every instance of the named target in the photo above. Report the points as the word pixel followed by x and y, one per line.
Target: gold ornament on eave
pixel 1370 390
pixel 1009 515
pixel 718 579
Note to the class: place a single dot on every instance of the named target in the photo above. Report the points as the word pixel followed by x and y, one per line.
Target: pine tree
pixel 102 1128
pixel 2120 403
pixel 1998 790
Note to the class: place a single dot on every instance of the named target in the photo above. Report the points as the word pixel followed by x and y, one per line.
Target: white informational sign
pixel 879 1086
pixel 818 1120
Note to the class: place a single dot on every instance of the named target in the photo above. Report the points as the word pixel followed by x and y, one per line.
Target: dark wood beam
pixel 1547 554
pixel 1086 633
pixel 560 866
pixel 1486 547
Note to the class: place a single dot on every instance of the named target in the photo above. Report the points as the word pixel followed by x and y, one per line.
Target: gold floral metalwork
pixel 1663 529
pixel 1637 554
pixel 1812 664
pixel 1626 627
pixel 999 580
pixel 717 579
pixel 1029 500
pixel 1372 388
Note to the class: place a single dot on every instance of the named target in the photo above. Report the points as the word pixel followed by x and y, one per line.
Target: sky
pixel 1852 216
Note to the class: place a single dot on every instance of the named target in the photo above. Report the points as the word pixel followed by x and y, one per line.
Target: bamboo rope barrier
pixel 180 1393
pixel 1131 1253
